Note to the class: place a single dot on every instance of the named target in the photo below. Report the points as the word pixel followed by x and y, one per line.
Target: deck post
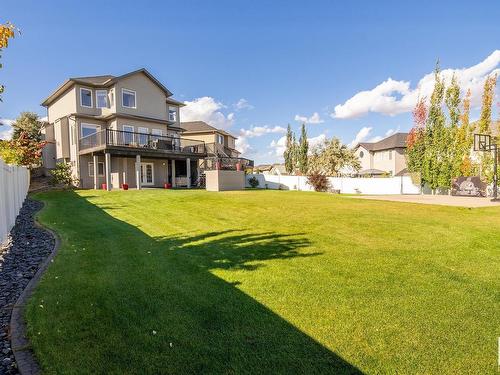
pixel 188 172
pixel 173 173
pixel 138 172
pixel 96 162
pixel 107 159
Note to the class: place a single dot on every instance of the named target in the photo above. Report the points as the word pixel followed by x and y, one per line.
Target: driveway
pixel 443 200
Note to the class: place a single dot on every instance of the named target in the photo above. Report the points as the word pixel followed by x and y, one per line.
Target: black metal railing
pixel 220 150
pixel 110 137
pixel 212 163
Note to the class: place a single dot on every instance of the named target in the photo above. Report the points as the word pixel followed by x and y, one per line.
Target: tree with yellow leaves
pixel 7 32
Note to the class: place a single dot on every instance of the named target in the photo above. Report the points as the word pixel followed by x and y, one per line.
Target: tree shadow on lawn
pixel 138 284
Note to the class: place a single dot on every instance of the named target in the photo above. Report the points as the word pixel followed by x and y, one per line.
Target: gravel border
pixel 22 263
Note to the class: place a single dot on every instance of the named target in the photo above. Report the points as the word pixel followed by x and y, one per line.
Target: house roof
pixel 202 127
pixel 397 140
pixel 103 82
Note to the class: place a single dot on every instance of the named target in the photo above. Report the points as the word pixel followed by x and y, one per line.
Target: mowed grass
pixel 191 282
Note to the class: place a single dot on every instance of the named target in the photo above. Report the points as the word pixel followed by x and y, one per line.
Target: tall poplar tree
pixel 454 154
pixel 415 142
pixel 486 159
pixel 288 154
pixel 303 148
pixel 434 135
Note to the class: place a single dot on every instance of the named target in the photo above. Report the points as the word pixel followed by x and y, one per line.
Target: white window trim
pixel 173 109
pixel 105 95
pixel 91 98
pixel 135 98
pixel 91 169
pixel 157 131
pixel 152 174
pixel 128 126
pixel 87 125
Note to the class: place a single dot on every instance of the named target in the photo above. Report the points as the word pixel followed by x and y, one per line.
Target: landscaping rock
pixel 25 251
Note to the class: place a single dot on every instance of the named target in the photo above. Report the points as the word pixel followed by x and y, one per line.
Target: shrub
pixel 318 181
pixel 253 182
pixel 61 175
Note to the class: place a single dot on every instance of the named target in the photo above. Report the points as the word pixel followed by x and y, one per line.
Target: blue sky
pixel 285 59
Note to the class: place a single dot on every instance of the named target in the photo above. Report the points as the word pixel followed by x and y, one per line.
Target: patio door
pixel 147 174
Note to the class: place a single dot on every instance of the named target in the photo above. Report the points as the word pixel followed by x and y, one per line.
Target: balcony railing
pixel 212 163
pixel 217 149
pixel 110 137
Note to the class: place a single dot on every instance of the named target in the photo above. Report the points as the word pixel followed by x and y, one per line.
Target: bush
pixel 253 182
pixel 318 181
pixel 61 175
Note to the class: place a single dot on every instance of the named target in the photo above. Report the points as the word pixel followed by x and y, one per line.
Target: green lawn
pixel 191 282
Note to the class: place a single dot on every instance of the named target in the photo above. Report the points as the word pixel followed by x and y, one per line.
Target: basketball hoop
pixel 482 142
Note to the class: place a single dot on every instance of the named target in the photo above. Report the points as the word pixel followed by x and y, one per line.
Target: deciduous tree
pixel 30 124
pixel 330 156
pixel 7 31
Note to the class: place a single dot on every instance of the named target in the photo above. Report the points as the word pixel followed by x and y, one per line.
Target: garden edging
pixel 21 346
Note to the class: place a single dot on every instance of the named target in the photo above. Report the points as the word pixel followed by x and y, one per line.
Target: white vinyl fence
pixel 346 185
pixel 14 184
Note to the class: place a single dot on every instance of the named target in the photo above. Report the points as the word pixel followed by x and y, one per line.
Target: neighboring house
pixel 386 156
pixel 120 130
pixel 218 142
pixel 278 170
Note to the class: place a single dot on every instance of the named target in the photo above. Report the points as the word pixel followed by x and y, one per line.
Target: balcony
pixel 124 142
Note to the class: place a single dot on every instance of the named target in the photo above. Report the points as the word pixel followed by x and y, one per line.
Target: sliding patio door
pixel 147 174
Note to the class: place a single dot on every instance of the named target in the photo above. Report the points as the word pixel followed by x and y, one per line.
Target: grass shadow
pixel 119 301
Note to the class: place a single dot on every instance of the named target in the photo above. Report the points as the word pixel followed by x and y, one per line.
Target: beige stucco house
pixel 386 156
pixel 219 142
pixel 120 130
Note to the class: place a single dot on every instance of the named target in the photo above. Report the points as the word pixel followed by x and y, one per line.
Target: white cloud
pixel 243 104
pixel 392 97
pixel 243 146
pixel 363 135
pixel 314 141
pixel 314 119
pixel 278 147
pixel 6 128
pixel 257 131
pixel 209 110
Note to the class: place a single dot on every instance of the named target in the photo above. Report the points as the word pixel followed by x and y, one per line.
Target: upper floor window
pixel 361 154
pixel 85 97
pixel 101 99
pixel 172 114
pixel 88 129
pixel 128 98
pixel 220 139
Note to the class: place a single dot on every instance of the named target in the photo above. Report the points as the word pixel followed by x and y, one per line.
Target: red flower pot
pixel 104 187
pixel 125 186
pixel 167 186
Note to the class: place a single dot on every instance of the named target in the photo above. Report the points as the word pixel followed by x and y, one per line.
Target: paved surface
pixel 443 200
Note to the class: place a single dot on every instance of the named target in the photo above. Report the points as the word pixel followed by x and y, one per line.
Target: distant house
pixel 386 156
pixel 218 142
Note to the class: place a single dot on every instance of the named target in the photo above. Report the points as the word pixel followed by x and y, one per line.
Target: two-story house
pixel 120 130
pixel 386 156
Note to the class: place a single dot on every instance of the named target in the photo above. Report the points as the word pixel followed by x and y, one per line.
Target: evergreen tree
pixel 294 154
pixel 29 124
pixel 288 154
pixel 303 148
